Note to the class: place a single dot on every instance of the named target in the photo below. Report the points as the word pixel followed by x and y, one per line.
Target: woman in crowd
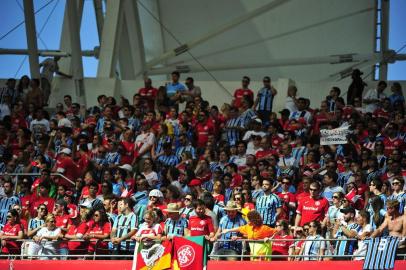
pixel 12 231
pixel 281 241
pixel 333 213
pixel 76 233
pixel 362 219
pixel 46 243
pixel 314 246
pixel 173 195
pixel 99 230
pixel 150 230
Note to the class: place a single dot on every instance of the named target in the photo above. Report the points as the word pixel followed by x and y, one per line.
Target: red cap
pixel 195 182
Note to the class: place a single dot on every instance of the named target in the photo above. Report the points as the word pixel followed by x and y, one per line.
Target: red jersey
pixel 203 130
pixel 67 167
pixel 282 247
pixel 219 198
pixel 312 209
pixel 11 247
pixel 236 181
pixel 49 202
pixel 265 153
pixel 200 226
pixel 381 113
pixel 26 202
pixel 78 246
pixel 97 229
pixel 392 144
pixel 286 198
pixel 239 94
pixel 127 156
pixel 148 95
pixel 302 195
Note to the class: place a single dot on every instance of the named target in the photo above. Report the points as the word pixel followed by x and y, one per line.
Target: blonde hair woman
pixel 45 243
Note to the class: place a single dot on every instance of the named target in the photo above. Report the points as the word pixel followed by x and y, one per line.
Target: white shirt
pixel 290 105
pixel 143 141
pixel 152 178
pixel 373 94
pixel 362 247
pixel 48 69
pixel 50 245
pixel 4 111
pixel 64 122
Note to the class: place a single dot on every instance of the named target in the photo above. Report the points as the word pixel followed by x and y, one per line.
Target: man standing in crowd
pixel 311 208
pixel 201 224
pixel 343 229
pixel 242 92
pixel 7 201
pixel 264 101
pixel 49 67
pixel 268 204
pixel 124 227
pixel 148 94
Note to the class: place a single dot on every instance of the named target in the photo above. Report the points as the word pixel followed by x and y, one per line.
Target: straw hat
pixel 172 208
pixel 231 205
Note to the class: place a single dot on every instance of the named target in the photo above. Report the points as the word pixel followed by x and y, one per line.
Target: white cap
pixel 66 151
pixel 156 193
pixel 86 204
pixel 258 120
pixel 126 167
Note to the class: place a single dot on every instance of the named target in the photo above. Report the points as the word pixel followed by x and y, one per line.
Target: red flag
pixel 189 253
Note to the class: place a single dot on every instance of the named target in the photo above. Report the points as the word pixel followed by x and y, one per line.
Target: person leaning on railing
pixel 45 240
pixel 13 230
pixel 313 249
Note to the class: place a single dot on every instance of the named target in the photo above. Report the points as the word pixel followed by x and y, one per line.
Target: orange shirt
pixel 251 232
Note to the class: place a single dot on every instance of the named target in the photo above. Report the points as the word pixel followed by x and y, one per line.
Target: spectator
pixel 46 243
pixel 364 232
pixel 98 231
pixel 200 224
pixel 346 228
pixel 49 67
pixel 282 242
pixel 268 205
pixel 150 230
pixel 148 94
pixel 312 208
pixel 242 92
pixel 232 219
pixel 264 100
pixel 12 230
pixel 7 201
pixel 124 227
pixel 175 224
pixel 314 246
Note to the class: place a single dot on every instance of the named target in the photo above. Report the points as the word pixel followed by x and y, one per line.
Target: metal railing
pixel 242 256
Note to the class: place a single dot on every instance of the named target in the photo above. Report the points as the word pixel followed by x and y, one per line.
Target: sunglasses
pixel 153 197
pixel 188 199
pixel 285 183
pixel 396 184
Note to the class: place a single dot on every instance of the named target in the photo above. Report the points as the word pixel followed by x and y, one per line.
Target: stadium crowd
pixel 143 170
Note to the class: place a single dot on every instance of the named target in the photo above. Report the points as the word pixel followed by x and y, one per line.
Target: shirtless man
pixel 395 223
